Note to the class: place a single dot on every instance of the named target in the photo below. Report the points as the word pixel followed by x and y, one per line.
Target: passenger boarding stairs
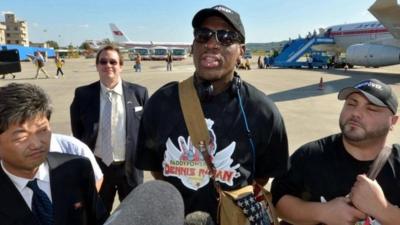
pixel 295 49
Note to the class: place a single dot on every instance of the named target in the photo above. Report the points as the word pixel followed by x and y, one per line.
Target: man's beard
pixel 361 134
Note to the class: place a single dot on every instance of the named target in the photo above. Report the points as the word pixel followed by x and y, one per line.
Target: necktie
pixel 106 149
pixel 42 207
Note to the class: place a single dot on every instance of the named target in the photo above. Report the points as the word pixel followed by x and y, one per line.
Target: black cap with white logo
pixel 377 92
pixel 232 17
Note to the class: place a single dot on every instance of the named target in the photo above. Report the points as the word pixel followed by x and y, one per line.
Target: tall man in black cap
pixel 165 147
pixel 327 182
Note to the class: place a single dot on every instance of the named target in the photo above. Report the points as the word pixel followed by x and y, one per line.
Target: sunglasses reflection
pixel 105 62
pixel 225 37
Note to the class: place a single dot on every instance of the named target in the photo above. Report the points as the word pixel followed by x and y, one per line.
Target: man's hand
pixel 339 211
pixel 368 196
pixel 157 175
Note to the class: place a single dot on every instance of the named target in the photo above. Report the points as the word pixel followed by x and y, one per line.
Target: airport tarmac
pixel 309 113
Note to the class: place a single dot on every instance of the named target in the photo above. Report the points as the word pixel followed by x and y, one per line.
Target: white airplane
pixel 95 44
pixel 371 44
pixel 121 39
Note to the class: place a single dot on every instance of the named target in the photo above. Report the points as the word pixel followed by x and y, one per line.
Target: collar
pixel 117 89
pixel 54 146
pixel 20 182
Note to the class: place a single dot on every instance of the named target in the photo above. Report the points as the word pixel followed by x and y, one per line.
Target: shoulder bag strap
pixel 194 119
pixel 379 162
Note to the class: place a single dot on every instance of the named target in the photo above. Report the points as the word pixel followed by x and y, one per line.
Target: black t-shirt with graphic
pixel 323 169
pixel 164 145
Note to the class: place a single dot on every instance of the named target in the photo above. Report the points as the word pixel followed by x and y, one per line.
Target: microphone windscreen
pixel 152 203
pixel 199 218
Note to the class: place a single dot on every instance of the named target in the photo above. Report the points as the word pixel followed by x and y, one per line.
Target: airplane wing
pixel 388 13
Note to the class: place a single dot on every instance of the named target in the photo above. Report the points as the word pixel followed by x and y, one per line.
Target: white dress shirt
pixel 118 122
pixel 71 145
pixel 43 181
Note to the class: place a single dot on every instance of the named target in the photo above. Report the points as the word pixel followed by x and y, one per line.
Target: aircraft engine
pixel 372 55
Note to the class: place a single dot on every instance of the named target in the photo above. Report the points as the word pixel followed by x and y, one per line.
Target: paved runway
pixel 308 113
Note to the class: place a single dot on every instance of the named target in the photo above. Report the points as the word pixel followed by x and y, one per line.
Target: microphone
pixel 152 203
pixel 199 218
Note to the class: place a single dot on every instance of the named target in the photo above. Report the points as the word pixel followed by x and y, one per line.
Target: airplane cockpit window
pixel 328 32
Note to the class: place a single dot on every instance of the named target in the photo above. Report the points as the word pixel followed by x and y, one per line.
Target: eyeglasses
pixel 225 37
pixel 105 61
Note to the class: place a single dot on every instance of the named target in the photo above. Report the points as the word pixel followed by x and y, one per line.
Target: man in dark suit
pixel 37 187
pixel 105 115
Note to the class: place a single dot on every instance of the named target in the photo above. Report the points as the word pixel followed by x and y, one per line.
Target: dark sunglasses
pixel 225 37
pixel 105 61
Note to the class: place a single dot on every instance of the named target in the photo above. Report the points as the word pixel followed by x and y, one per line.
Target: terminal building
pixel 13 31
pixel 14 36
pixel 2 34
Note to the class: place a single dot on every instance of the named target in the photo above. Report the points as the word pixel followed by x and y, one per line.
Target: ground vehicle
pixel 178 53
pixel 247 54
pixel 144 53
pixel 159 53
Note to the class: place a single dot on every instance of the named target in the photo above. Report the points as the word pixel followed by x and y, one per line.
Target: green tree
pixel 107 41
pixel 85 46
pixel 52 44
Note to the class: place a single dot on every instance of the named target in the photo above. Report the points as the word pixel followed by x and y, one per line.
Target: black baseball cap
pixel 377 92
pixel 232 17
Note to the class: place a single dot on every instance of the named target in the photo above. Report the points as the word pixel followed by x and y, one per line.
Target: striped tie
pixel 106 148
pixel 41 204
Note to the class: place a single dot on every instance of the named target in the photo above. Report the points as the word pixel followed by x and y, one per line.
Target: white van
pixel 159 53
pixel 144 53
pixel 178 53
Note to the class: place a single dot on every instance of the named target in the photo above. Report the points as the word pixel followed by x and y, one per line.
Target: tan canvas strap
pixel 194 119
pixel 379 162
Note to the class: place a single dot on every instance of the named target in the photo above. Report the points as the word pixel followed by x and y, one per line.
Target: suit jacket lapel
pixel 129 97
pixel 94 101
pixel 13 205
pixel 92 109
pixel 59 194
pixel 130 104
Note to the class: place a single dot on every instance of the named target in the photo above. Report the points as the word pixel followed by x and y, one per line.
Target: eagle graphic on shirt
pixel 187 163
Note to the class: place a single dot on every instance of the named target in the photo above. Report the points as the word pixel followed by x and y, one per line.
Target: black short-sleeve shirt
pixel 164 144
pixel 323 169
